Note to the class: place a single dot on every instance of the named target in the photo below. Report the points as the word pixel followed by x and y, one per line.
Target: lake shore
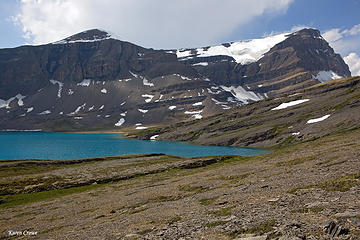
pixel 291 192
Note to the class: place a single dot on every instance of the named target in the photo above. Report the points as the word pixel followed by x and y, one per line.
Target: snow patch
pixel 154 137
pixel 68 41
pixel 217 102
pixel 193 112
pixel 201 64
pixel 30 109
pixel 197 104
pixel 143 110
pixel 324 76
pixel 182 77
pixel 102 107
pixel 244 52
pixel 70 92
pixel 6 103
pixel 172 107
pixel 241 94
pixel 147 83
pixel 60 86
pixel 140 128
pixel 214 93
pixel 84 83
pixel 315 120
pixel 120 122
pixel 148 96
pixel 77 110
pixel 104 91
pixel 133 74
pixel 295 134
pixel 290 104
pixel 45 112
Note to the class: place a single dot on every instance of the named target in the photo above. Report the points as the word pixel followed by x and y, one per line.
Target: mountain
pixel 92 80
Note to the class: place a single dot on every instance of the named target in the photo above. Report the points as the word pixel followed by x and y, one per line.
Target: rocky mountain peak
pixel 91 35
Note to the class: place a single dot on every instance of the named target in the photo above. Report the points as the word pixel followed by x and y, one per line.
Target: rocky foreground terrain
pixel 308 190
pixel 307 187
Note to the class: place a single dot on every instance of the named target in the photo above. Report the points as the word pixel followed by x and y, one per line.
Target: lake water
pixel 65 146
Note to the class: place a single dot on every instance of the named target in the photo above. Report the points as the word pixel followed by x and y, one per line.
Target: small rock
pixel 131 235
pixel 112 211
pixel 348 214
pixel 253 238
pixel 334 229
pixel 274 200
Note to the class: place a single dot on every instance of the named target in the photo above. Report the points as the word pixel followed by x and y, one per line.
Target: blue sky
pixel 181 23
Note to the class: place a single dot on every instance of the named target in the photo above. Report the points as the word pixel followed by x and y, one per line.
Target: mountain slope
pixel 93 81
pixel 305 115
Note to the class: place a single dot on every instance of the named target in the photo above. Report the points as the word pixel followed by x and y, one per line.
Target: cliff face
pixel 94 81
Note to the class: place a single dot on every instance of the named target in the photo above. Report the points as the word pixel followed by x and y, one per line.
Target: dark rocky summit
pixel 92 81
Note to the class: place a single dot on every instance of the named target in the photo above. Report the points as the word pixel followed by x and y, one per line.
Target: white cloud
pixel 353 60
pixel 155 23
pixel 332 35
pixel 346 42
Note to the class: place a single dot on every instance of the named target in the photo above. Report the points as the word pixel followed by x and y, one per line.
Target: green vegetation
pixel 295 161
pixel 207 201
pixel 347 102
pixel 222 212
pixel 286 143
pixel 235 178
pixel 144 232
pixel 216 223
pixel 137 210
pixel 174 219
pixel 13 200
pixel 190 188
pixel 342 184
pixel 146 132
pixel 259 229
pixel 165 198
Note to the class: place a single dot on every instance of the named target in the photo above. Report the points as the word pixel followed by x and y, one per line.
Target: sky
pixel 168 24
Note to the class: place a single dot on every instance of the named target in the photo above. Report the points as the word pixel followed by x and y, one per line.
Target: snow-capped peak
pixel 92 35
pixel 243 52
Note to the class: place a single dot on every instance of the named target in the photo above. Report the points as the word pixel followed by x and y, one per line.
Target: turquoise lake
pixel 66 146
